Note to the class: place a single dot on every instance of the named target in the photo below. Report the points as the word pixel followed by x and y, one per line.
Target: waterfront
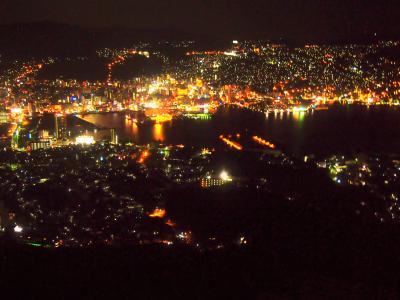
pixel 341 129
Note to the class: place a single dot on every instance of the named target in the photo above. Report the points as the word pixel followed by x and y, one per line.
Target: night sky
pixel 223 18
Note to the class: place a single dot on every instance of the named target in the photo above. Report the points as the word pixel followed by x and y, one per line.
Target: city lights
pixel 18 229
pixel 225 176
pixel 231 143
pixel 85 140
pixel 263 142
pixel 167 145
pixel 158 213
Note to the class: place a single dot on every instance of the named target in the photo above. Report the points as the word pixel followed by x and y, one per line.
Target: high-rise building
pixel 3 117
pixel 114 137
pixel 60 129
pixel 56 126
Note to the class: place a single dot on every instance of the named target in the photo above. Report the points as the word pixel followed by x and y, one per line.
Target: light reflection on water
pixel 299 116
pixel 158 132
pixel 339 129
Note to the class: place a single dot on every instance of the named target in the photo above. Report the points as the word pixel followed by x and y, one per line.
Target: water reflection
pixel 158 132
pixel 329 131
pixel 135 130
pixel 299 117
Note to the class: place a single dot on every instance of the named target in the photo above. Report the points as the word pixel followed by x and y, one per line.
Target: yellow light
pixel 225 176
pixel 158 132
pixel 162 118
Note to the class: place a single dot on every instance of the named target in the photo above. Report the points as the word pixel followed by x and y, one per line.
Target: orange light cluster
pixel 263 142
pixel 29 70
pixel 230 143
pixel 58 243
pixel 145 154
pixel 170 223
pixel 158 213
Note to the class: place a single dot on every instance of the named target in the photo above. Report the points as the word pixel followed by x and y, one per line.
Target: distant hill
pixel 44 39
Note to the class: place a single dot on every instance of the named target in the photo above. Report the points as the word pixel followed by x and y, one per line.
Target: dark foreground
pixel 286 272
pixel 306 237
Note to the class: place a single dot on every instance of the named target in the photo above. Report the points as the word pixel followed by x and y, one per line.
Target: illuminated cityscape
pixel 218 149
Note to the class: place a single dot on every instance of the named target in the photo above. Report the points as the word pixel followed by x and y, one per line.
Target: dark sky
pixel 262 18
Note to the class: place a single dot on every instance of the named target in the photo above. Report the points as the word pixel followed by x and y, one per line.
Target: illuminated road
pixel 28 70
pixel 119 59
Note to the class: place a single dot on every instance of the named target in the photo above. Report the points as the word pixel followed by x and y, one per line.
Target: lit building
pixel 84 140
pixel 60 130
pixel 3 117
pixel 44 134
pixel 114 137
pixel 209 181
pixel 43 144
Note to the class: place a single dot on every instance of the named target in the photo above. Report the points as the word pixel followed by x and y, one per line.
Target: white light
pixel 151 104
pixel 18 229
pixel 85 140
pixel 16 110
pixel 224 176
pixel 230 53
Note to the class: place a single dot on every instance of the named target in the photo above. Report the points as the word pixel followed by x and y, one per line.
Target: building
pixel 84 140
pixel 44 134
pixel 42 144
pixel 114 137
pixel 60 130
pixel 3 117
pixel 211 182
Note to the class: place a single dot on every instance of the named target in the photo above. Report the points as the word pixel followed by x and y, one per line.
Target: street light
pixel 225 176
